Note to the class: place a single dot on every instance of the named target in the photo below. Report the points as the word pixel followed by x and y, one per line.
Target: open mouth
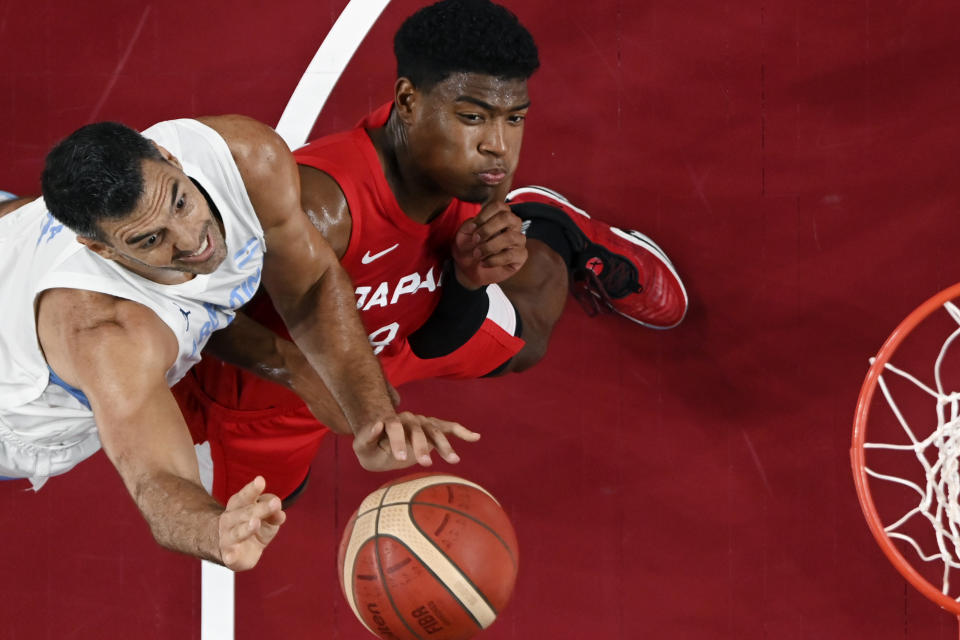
pixel 203 252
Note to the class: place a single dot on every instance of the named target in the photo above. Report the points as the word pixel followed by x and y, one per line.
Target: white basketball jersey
pixel 39 253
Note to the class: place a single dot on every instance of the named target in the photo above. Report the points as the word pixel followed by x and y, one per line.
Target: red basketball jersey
pixel 395 263
pixel 256 427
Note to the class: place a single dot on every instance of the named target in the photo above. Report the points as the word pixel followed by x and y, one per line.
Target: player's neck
pixel 418 199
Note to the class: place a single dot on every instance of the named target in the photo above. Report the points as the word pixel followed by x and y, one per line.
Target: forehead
pixel 503 93
pixel 159 178
pixel 156 171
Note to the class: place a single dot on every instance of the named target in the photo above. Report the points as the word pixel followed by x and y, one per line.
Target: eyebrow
pixel 488 106
pixel 173 203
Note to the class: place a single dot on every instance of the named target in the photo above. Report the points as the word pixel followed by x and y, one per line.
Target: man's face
pixel 464 133
pixel 171 234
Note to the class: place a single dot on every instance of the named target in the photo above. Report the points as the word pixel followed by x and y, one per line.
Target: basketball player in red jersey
pixel 450 280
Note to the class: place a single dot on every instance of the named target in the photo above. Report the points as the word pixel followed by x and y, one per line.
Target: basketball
pixel 428 555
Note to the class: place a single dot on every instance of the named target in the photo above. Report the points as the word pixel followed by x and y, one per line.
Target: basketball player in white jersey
pixel 141 247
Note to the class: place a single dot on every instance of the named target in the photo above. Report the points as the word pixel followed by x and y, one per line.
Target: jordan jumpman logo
pixel 186 316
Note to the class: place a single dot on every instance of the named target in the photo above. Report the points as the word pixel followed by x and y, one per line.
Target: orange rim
pixel 858 458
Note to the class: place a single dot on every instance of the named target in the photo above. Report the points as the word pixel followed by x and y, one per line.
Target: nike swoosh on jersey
pixel 367 258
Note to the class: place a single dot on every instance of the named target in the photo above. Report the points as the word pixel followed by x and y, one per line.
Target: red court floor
pixel 797 160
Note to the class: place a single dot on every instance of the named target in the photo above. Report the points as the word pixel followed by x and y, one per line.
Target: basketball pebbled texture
pixel 428 555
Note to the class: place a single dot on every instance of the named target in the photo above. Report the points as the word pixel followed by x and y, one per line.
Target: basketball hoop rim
pixel 858 457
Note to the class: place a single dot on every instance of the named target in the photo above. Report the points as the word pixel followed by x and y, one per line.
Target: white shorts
pixel 46 437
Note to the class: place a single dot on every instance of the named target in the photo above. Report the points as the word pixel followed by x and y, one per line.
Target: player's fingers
pixel 276 516
pixel 498 223
pixel 507 237
pixel 443 446
pixel 497 244
pixel 464 238
pixel 276 519
pixel 507 256
pixel 368 437
pixel 421 446
pixel 259 510
pixel 397 437
pixel 468 226
pixel 267 533
pixel 270 524
pixel 238 529
pixel 497 272
pixel 455 429
pixel 248 494
pixel 503 189
pixel 490 229
pixel 493 211
pixel 239 525
pixel 266 508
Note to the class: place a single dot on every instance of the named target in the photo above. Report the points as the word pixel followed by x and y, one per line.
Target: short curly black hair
pixel 96 173
pixel 471 36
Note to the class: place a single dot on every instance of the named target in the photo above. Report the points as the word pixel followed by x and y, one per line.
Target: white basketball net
pixel 939 455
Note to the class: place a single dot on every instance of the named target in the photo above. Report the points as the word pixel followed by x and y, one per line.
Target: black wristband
pixel 459 314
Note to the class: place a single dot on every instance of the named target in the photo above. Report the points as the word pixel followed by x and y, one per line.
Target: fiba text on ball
pixel 427 621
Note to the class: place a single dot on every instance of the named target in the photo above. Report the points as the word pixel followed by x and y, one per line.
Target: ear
pixel 100 248
pixel 169 157
pixel 405 98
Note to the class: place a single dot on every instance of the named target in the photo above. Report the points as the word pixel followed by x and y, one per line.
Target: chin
pixel 204 268
pixel 476 195
pixel 219 255
pixel 214 262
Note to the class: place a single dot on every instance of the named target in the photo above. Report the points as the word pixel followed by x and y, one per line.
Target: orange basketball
pixel 428 555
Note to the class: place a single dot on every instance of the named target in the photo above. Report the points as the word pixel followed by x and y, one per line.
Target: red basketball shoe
pixel 619 270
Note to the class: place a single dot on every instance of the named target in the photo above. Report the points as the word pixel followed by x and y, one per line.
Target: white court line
pixel 325 69
pixel 216 602
pixel 120 65
pixel 303 108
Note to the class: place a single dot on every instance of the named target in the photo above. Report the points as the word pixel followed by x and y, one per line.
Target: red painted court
pixel 798 162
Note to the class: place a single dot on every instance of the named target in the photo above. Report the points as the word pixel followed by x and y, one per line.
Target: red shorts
pixel 256 427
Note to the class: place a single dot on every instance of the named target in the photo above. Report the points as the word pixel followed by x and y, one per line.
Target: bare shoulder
pixel 82 309
pixel 266 165
pixel 255 146
pixel 9 206
pixel 326 206
pixel 78 330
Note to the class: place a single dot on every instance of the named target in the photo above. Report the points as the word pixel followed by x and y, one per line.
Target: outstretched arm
pixel 117 353
pixel 248 344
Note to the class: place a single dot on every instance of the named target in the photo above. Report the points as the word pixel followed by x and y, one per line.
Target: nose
pixel 188 239
pixel 494 141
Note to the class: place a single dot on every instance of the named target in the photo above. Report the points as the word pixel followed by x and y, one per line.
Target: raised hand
pixel 250 521
pixel 406 439
pixel 490 247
